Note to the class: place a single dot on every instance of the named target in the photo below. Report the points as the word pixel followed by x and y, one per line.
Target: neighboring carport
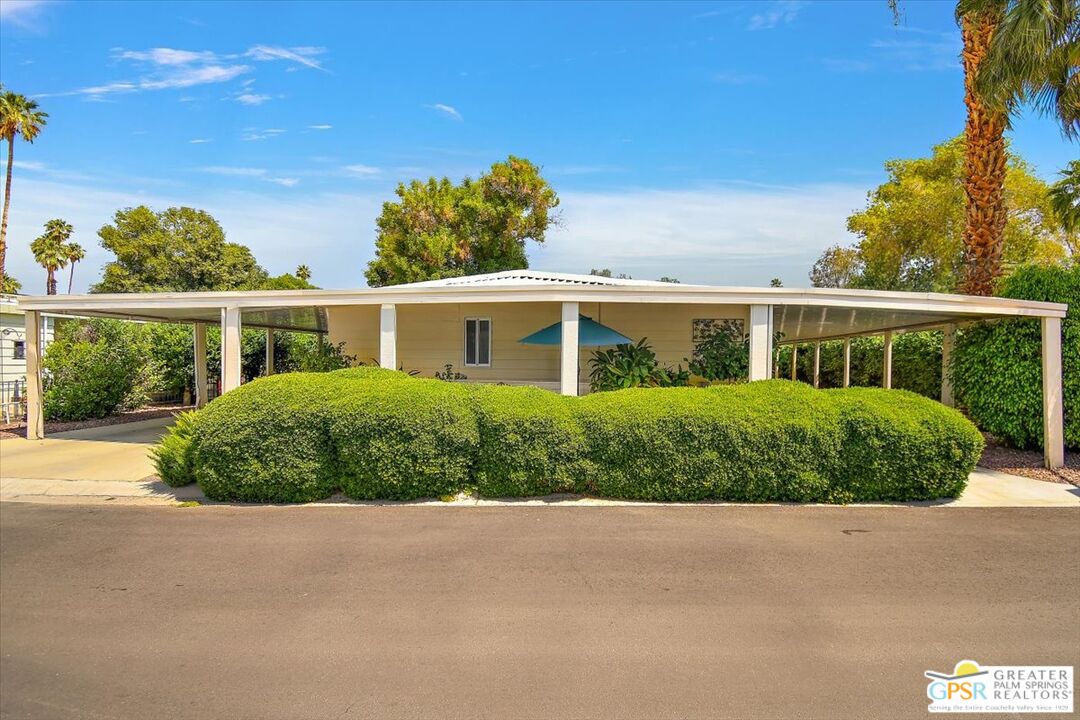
pixel 776 315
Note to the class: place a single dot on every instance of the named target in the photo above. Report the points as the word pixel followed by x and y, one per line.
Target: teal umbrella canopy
pixel 590 334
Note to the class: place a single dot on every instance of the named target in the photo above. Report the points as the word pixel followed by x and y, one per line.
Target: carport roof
pixel 799 314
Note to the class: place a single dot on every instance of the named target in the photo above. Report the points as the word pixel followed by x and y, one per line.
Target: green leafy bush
pixel 530 443
pixel 901 446
pixel 173 456
pixel 997 366
pixel 776 440
pixel 380 434
pixel 268 441
pixel 628 366
pixel 402 440
pixel 95 368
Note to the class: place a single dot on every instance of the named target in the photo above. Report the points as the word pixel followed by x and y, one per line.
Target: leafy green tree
pixel 911 232
pixel 776 282
pixel 606 272
pixel 286 281
pixel 440 229
pixel 838 267
pixel 303 272
pixel 19 117
pixel 95 368
pixel 673 281
pixel 52 251
pixel 1065 197
pixel 179 250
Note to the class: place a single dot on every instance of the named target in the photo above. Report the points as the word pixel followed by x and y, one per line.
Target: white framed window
pixel 478 342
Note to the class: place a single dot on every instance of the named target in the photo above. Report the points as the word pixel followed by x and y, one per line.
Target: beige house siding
pixel 432 335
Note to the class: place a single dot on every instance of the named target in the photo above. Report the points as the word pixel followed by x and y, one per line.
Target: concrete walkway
pixel 112 464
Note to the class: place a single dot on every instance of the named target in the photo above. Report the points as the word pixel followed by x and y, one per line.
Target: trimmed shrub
pixel 997 366
pixel 530 443
pixel 379 434
pixel 774 440
pixel 268 441
pixel 401 440
pixel 174 456
pixel 901 446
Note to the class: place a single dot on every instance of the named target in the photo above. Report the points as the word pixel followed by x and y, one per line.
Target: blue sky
pixel 715 142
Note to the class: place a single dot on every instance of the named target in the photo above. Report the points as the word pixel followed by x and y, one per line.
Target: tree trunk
pixel 984 165
pixel 7 204
pixel 71 277
pixel 50 283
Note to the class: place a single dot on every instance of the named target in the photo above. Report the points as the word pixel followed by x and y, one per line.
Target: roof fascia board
pixel 481 292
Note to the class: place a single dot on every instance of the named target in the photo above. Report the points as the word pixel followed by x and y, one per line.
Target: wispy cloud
pixel 301 55
pixel 199 141
pixel 23 13
pixel 252 98
pixel 234 171
pixel 782 12
pixel 254 134
pixel 362 171
pixel 930 51
pixel 250 172
pixel 167 56
pixel 448 110
pixel 320 127
pixel 169 68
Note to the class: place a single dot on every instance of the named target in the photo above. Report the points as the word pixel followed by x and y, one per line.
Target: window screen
pixel 477 341
pixel 20 350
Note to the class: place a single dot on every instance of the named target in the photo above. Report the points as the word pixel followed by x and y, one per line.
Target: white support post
pixel 886 369
pixel 230 349
pixel 761 340
pixel 948 340
pixel 388 337
pixel 794 361
pixel 568 364
pixel 847 362
pixel 1053 402
pixel 201 376
pixel 35 413
pixel 817 364
pixel 269 352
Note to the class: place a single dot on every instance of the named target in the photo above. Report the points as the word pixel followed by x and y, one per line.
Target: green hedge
pixel 997 366
pixel 379 434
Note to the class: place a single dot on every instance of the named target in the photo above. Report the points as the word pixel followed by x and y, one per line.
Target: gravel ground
pixel 1028 463
pixel 19 429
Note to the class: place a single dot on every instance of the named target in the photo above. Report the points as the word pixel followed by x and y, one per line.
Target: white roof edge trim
pixel 555 292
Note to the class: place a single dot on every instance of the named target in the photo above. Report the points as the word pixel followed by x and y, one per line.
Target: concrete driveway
pixel 112 452
pixel 521 612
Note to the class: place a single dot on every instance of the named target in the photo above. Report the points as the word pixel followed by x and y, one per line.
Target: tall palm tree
pixel 1015 52
pixel 19 117
pixel 303 272
pixel 51 251
pixel 75 253
pixel 1033 59
pixel 984 156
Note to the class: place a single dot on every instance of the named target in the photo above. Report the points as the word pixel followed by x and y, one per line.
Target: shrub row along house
pixel 525 327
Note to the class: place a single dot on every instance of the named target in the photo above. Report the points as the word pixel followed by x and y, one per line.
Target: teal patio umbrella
pixel 590 334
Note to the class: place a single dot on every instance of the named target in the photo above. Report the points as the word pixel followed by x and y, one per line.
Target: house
pixel 476 323
pixel 13 342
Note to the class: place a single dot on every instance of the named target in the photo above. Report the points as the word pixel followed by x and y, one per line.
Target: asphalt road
pixel 517 612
